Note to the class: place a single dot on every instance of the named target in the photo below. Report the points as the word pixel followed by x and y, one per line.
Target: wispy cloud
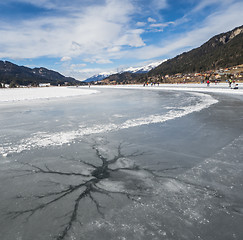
pixel 151 20
pixel 59 4
pixel 78 71
pixel 75 66
pixel 206 3
pixel 159 26
pixel 159 4
pixel 218 22
pixel 92 31
pixel 141 24
pixel 64 59
pixel 80 34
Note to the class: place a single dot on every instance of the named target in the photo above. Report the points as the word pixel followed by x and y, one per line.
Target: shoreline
pixel 26 94
pixel 192 87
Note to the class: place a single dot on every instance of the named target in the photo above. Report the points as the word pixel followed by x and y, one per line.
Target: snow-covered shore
pixel 22 94
pixel 192 87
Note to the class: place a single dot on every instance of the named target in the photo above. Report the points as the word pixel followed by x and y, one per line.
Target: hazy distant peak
pixel 143 69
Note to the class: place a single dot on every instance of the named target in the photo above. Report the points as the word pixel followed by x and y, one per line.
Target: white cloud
pixel 64 59
pixel 114 49
pixel 92 31
pixel 60 4
pixel 218 22
pixel 90 70
pixel 75 66
pixel 205 3
pixel 97 59
pixel 157 25
pixel 141 24
pixel 103 61
pixel 103 31
pixel 151 20
pixel 48 4
pixel 84 73
pixel 159 4
pixel 132 38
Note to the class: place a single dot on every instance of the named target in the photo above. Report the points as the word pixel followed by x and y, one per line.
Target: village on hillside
pixel 234 73
pixel 221 75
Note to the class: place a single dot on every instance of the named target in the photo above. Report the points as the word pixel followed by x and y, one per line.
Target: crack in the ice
pixel 91 184
pixel 87 187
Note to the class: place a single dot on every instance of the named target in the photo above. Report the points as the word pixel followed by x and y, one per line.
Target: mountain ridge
pixel 133 70
pixel 222 50
pixel 21 75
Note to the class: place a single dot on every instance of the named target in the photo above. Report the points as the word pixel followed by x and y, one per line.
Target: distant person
pixel 236 86
pixel 230 82
pixel 208 82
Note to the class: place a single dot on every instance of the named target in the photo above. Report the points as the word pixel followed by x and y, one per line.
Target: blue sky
pixel 80 38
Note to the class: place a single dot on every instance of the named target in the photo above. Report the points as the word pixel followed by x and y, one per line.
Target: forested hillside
pixel 223 50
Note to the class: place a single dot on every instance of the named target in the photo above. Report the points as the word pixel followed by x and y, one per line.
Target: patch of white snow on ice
pixel 23 94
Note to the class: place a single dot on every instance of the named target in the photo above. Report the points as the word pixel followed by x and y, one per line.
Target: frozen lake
pixel 121 163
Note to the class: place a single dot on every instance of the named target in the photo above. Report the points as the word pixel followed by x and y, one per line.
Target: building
pixel 44 84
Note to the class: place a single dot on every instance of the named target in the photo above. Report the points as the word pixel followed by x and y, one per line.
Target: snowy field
pixel 20 94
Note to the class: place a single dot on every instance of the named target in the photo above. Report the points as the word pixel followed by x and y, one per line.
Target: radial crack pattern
pixel 90 185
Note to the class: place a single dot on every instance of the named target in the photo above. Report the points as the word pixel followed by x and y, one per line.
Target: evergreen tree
pixel 13 84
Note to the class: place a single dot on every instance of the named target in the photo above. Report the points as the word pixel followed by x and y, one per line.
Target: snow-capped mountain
pixel 98 77
pixel 143 69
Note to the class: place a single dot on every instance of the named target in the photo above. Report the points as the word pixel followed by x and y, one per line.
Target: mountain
pixel 21 75
pixel 125 78
pixel 98 77
pixel 143 69
pixel 223 50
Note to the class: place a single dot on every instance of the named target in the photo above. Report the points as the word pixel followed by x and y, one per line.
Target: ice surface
pixel 132 189
pixel 44 139
pixel 205 202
